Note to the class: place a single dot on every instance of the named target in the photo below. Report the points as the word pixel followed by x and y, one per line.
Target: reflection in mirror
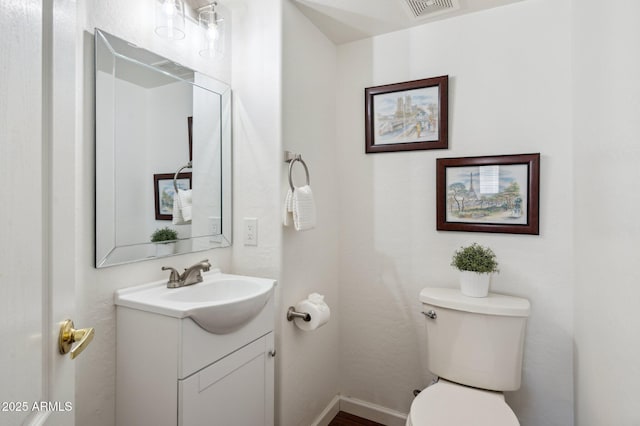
pixel 160 128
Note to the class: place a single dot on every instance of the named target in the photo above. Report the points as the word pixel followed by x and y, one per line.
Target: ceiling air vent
pixel 424 8
pixel 173 68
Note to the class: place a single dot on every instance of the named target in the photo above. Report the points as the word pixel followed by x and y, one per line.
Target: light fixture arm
pixel 211 6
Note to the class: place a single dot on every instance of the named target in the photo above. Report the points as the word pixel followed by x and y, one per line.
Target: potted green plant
pixel 165 241
pixel 476 265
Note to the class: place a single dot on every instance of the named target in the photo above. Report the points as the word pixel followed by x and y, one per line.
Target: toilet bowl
pixel 446 403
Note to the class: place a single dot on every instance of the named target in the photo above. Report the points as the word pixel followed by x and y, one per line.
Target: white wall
pixel 308 369
pixel 257 35
pixel 606 146
pixel 95 379
pixel 510 92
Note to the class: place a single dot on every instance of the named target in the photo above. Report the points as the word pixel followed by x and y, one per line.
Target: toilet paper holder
pixel 292 313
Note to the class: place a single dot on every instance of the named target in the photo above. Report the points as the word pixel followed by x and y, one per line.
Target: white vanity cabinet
pixel 172 372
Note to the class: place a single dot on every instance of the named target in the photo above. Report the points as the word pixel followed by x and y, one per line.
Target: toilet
pixel 474 346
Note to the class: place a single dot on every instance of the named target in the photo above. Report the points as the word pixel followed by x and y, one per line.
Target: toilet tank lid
pixel 493 304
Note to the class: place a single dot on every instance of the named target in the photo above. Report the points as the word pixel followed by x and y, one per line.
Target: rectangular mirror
pixel 161 128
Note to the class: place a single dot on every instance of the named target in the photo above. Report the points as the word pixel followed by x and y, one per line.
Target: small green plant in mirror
pixel 163 235
pixel 475 258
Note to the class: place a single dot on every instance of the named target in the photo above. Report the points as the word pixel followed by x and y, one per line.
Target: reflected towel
pixel 182 205
pixel 304 208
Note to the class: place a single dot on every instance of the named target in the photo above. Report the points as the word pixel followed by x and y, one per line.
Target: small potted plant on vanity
pixel 476 264
pixel 165 241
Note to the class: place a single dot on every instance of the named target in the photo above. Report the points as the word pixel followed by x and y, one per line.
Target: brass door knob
pixel 68 335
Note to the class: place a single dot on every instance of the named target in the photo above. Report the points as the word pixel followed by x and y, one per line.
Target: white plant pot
pixel 165 249
pixel 475 284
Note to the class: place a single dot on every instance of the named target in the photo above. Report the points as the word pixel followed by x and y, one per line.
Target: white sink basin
pixel 221 304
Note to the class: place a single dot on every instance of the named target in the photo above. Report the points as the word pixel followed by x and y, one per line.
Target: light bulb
pixel 212 32
pixel 170 19
pixel 168 8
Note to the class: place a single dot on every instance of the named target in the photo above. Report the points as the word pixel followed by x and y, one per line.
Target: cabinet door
pixel 237 390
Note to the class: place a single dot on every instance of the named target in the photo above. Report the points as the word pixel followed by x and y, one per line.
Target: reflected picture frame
pixel 407 116
pixel 498 194
pixel 164 192
pixel 190 130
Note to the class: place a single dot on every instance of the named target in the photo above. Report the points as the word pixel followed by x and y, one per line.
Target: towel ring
pixel 175 177
pixel 306 171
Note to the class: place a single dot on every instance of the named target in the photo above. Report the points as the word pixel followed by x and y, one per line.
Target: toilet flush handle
pixel 431 314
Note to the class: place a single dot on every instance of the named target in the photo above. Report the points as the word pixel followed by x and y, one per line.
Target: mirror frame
pixel 207 242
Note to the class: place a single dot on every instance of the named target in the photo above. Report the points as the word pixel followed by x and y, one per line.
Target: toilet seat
pixel 447 403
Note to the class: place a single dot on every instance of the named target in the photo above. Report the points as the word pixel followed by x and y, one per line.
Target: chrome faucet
pixel 191 275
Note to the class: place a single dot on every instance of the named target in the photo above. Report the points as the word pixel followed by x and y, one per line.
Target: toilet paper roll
pixel 317 308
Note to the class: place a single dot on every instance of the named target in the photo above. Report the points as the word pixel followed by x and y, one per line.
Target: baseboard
pixel 328 413
pixel 360 408
pixel 373 412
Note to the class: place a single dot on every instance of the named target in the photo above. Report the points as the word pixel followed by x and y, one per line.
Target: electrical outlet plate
pixel 215 225
pixel 250 231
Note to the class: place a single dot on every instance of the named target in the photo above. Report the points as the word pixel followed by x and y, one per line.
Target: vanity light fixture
pixel 170 19
pixel 212 26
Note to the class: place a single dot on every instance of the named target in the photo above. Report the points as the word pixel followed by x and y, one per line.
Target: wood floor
pixel 346 419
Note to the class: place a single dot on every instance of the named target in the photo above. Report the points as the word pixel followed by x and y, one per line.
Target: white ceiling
pixel 343 21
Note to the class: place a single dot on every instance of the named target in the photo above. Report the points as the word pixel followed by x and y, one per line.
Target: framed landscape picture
pixel 488 194
pixel 407 116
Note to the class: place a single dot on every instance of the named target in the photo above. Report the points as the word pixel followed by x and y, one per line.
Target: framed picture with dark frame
pixel 407 116
pixel 488 194
pixel 165 191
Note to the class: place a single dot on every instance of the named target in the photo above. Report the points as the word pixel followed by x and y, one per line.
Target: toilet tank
pixel 475 341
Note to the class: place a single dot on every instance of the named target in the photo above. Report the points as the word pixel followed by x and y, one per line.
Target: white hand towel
pixel 187 203
pixel 304 209
pixel 287 216
pixel 182 205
